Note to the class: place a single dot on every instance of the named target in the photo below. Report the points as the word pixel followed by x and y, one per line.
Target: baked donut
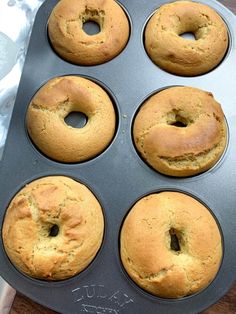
pixel 170 245
pixel 180 131
pixel 182 56
pixel 53 228
pixel 54 102
pixel 72 43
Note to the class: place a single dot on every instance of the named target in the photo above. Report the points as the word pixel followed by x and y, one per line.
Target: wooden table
pixel 226 305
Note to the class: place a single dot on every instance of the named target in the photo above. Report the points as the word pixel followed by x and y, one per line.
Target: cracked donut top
pixel 70 39
pixel 170 245
pixel 53 228
pixel 188 57
pixel 180 131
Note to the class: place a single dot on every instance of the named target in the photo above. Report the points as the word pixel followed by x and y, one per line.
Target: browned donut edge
pixel 53 102
pixel 181 56
pixel 179 151
pixel 65 30
pixel 29 217
pixel 145 245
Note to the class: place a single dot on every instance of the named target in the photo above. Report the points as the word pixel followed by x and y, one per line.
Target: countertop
pixel 227 304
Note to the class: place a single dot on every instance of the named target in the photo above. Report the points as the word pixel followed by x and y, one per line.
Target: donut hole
pixel 93 21
pixel 175 118
pixel 76 119
pixel 188 35
pixel 91 27
pixel 188 32
pixel 179 124
pixel 175 239
pixel 53 231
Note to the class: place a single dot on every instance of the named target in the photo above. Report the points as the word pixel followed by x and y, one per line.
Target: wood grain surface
pixel 226 305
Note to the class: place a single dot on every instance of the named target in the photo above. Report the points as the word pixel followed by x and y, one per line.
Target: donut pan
pixel 119 177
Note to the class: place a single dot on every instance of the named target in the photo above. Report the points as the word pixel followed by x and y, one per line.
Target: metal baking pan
pixel 104 287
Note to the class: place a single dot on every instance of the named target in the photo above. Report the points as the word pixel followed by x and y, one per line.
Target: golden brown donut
pixel 30 217
pixel 65 29
pixel 53 103
pixel 170 245
pixel 182 56
pixel 180 131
